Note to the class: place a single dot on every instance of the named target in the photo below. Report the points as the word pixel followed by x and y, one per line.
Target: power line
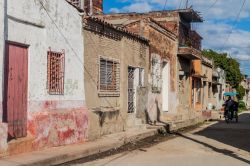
pixel 79 59
pixel 235 23
pixel 180 4
pixel 165 4
pixel 211 6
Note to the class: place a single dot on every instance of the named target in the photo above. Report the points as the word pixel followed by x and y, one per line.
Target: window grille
pixel 109 76
pixel 55 67
pixel 156 75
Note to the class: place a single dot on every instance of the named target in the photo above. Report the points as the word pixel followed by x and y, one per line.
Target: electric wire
pixel 165 4
pixel 234 25
pixel 74 52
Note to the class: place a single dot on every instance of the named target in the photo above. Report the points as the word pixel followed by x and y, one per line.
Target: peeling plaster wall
pixel 166 50
pixel 108 114
pixel 68 20
pixel 53 120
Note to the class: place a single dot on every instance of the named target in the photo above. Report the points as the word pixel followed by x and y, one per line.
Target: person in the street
pixel 229 104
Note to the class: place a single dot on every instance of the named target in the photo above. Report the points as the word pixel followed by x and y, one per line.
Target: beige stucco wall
pixel 113 110
pixel 207 71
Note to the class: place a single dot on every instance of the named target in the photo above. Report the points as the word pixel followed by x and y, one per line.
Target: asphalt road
pixel 213 144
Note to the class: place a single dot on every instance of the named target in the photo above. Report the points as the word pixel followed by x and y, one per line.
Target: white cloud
pixel 138 7
pixel 222 9
pixel 114 10
pixel 217 27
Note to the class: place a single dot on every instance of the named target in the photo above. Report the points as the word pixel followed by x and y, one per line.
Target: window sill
pixel 109 94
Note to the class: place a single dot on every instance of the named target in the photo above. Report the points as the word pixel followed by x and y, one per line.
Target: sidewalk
pixel 64 154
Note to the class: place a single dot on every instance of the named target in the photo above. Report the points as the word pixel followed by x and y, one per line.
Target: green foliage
pixel 231 66
pixel 242 105
pixel 240 89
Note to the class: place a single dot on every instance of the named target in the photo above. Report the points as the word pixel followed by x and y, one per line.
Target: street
pixel 215 143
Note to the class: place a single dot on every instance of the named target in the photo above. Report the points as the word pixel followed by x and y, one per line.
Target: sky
pixel 226 27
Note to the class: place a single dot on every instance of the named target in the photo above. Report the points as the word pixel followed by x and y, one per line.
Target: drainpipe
pixel 5 38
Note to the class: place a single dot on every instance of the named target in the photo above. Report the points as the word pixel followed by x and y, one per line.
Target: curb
pixel 60 155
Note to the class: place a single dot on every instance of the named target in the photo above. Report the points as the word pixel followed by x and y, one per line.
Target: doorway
pixel 165 86
pixel 16 88
pixel 131 90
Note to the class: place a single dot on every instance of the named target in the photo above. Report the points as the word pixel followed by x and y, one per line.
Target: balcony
pixel 190 45
pixel 189 52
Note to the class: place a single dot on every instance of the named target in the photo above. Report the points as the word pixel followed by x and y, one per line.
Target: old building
pixel 43 102
pixel 116 73
pixel 183 50
pixel 162 66
pixel 207 72
pixel 246 85
pixel 218 88
pixel 90 7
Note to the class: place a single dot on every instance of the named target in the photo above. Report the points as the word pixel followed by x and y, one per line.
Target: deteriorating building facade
pixel 116 73
pixel 90 7
pixel 185 57
pixel 43 104
pixel 162 66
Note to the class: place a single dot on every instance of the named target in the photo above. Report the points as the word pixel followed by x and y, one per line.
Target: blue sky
pixel 221 22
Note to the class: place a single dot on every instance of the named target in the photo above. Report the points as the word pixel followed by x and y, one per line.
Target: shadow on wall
pixel 103 115
pixel 158 118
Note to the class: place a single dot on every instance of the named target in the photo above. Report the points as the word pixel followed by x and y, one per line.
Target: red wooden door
pixel 16 85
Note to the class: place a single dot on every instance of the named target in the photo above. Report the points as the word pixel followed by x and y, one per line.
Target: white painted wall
pixel 165 87
pixel 69 23
pixel 1 47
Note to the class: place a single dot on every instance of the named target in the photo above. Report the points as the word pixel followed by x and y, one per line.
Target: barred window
pixel 109 75
pixel 55 72
pixel 156 75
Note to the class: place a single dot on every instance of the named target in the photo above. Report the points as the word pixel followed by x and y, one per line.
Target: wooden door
pixel 16 84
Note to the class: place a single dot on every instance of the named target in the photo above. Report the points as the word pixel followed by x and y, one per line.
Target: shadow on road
pixel 234 134
pixel 222 151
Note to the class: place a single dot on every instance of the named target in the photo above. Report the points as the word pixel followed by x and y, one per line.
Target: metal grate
pixel 131 90
pixel 55 65
pixel 156 75
pixel 109 75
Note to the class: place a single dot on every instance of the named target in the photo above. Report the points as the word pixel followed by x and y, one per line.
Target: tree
pixel 240 89
pixel 231 66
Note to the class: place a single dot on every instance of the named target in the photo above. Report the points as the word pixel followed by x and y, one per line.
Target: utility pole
pixel 187 2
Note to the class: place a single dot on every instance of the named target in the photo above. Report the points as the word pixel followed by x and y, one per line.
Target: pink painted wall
pixel 56 128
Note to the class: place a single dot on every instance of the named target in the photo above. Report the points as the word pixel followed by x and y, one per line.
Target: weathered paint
pixel 16 83
pixel 53 120
pixel 3 137
pixel 57 128
pixel 108 113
